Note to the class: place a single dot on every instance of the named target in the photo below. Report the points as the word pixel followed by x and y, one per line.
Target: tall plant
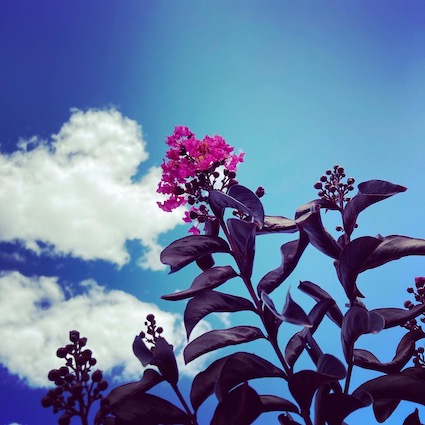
pixel 202 173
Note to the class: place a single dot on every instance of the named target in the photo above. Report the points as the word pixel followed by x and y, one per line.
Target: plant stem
pixel 306 416
pixel 347 381
pixel 185 405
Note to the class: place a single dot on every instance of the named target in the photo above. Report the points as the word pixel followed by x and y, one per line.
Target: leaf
pixel 413 418
pixel 141 351
pixel 291 253
pixel 319 294
pixel 297 343
pixel 248 198
pixel 147 409
pixel 393 248
pixel 150 378
pixel 209 279
pixel 242 367
pixel 356 322
pixel 240 407
pixel 215 339
pixel 309 220
pixel 384 408
pixel 272 403
pixel 287 419
pixel 292 312
pixel 331 366
pixel 304 384
pixel 243 234
pixel 338 406
pixel 406 385
pixel 398 316
pixel 369 192
pixel 165 360
pixel 219 201
pixel 277 224
pixel 183 251
pixel 211 301
pixel 352 258
pixel 404 352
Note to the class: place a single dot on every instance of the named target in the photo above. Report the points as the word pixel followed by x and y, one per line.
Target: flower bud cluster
pixel 331 187
pixel 153 332
pixel 193 168
pixel 418 357
pixel 419 294
pixel 77 387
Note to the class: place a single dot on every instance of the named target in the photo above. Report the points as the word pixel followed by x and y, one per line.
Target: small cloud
pixel 76 194
pixel 110 319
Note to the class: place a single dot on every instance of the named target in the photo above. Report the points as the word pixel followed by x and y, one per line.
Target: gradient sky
pixel 88 92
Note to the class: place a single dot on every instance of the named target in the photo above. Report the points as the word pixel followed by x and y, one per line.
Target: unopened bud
pixel 74 336
pixel 260 191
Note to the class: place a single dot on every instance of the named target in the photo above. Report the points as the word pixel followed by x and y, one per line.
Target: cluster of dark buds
pixel 77 387
pixel 419 295
pixel 332 188
pixel 153 332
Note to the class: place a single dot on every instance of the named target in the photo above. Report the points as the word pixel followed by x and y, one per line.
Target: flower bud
pixel 74 336
pixel 150 317
pixel 61 352
pixel 260 191
pixel 46 401
pixel 63 371
pixel 97 376
pixel 318 185
pixel 410 290
pixel 323 178
pixel 419 281
pixel 65 419
pixel 102 385
pixel 53 375
pixel 160 330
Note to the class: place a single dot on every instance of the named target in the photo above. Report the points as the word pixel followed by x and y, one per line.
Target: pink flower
pixel 194 230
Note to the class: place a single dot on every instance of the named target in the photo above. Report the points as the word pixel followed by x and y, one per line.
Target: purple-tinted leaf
pixel 183 251
pixel 209 279
pixel 272 403
pixel 150 379
pixel 291 253
pixel 147 409
pixel 212 302
pixel 304 384
pixel 212 227
pixel 404 352
pixel 413 418
pixel 205 262
pixel 393 248
pixel 331 366
pixel 165 360
pixel 248 198
pixel 143 353
pixel 309 220
pixel 298 342
pixel 243 234
pixel 316 292
pixel 351 260
pixel 277 224
pixel 313 349
pixel 240 407
pixel 204 382
pixel 406 385
pixel 338 406
pixel 271 322
pixel 369 192
pixel 398 316
pixel 287 419
pixel 356 322
pixel 219 201
pixel 384 408
pixel 213 340
pixel 242 367
pixel 292 312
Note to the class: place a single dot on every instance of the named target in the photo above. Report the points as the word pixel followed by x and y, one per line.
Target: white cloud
pixel 76 193
pixel 36 316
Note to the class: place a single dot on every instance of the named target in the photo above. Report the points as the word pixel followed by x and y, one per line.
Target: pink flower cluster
pixel 191 169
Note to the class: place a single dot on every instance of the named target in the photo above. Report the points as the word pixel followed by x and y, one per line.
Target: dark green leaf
pixel 209 279
pixel 212 302
pixel 213 340
pixel 182 252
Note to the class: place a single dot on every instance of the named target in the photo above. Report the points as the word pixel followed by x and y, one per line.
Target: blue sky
pixel 88 92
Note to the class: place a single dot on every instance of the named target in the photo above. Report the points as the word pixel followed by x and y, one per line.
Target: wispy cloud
pixel 37 314
pixel 76 194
